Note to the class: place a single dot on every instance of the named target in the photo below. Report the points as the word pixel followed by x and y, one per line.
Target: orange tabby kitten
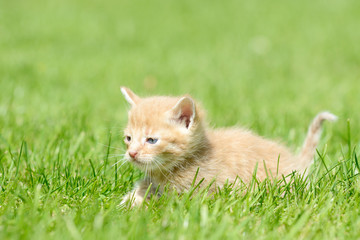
pixel 168 138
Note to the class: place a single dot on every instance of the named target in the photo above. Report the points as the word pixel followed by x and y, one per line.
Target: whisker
pixel 146 169
pixel 122 164
pixel 159 165
pixel 121 160
pixel 114 155
pixel 103 159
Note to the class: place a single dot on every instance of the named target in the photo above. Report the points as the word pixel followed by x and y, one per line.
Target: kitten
pixel 167 137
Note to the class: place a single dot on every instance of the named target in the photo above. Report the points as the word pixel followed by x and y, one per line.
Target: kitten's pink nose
pixel 133 154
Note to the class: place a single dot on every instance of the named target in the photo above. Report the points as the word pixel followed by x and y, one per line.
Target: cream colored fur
pixel 185 144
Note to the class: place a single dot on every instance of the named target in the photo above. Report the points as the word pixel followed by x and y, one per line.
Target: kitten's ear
pixel 184 112
pixel 130 97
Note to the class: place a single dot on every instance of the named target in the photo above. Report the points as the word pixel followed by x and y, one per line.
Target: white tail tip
pixel 328 116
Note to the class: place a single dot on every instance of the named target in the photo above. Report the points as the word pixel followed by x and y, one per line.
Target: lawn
pixel 270 66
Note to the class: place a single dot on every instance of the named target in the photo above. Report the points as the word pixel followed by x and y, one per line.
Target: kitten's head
pixel 162 131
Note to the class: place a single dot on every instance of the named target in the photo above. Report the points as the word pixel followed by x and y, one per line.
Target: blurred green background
pixel 240 58
pixel 267 65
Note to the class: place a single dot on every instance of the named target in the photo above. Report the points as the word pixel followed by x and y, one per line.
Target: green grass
pixel 267 65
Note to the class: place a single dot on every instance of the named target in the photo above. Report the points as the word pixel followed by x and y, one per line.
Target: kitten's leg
pixel 137 195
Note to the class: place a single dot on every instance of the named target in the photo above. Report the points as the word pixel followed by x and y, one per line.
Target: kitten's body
pixel 185 144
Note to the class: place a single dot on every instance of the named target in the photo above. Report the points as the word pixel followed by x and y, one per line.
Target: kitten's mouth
pixel 137 161
pixel 143 164
pixel 147 164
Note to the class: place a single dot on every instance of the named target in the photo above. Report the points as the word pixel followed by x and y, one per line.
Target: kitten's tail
pixel 312 139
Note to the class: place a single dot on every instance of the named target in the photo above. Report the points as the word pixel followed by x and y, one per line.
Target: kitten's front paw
pixel 132 200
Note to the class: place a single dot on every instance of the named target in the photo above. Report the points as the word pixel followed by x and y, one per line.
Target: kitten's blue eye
pixel 151 140
pixel 128 138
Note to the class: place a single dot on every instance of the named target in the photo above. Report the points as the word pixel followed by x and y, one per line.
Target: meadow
pixel 270 66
